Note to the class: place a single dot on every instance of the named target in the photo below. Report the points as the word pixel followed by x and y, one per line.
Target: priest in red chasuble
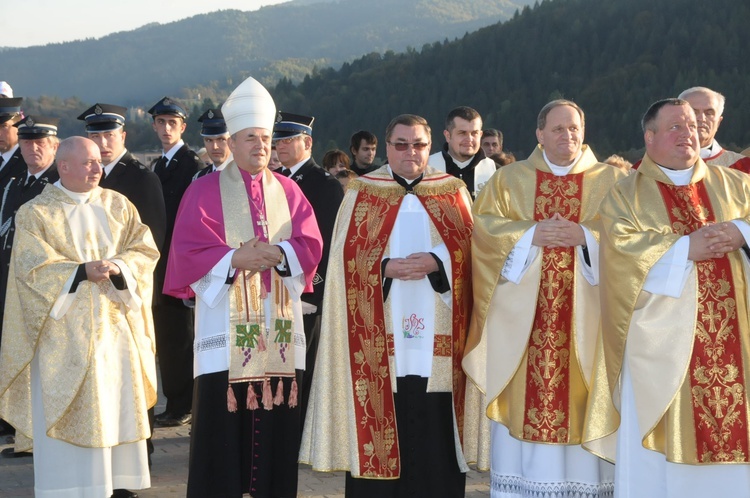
pixel 387 402
pixel 669 395
pixel 536 310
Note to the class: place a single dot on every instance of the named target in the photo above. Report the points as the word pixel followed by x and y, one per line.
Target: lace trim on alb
pixel 529 489
pixel 212 342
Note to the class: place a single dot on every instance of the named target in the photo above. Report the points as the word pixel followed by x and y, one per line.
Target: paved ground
pixel 169 471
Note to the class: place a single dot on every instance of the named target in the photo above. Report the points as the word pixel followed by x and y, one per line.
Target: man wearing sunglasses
pixel 462 155
pixel 536 309
pixel 387 403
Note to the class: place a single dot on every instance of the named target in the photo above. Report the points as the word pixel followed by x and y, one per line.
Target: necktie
pixel 286 172
pixel 29 181
pixel 161 165
pixel 2 161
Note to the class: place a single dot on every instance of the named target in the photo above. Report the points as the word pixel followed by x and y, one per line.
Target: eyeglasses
pixel 285 141
pixel 404 146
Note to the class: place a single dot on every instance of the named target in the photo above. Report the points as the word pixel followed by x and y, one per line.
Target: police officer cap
pixel 170 106
pixel 290 125
pixel 103 117
pixel 10 108
pixel 32 127
pixel 213 124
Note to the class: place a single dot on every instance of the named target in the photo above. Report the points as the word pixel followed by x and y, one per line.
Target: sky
pixel 25 23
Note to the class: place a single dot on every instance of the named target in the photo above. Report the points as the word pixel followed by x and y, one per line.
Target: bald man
pixel 77 365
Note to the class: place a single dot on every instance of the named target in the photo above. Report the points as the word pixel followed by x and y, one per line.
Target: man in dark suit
pixel 37 136
pixel 292 136
pixel 122 172
pixel 173 321
pixel 215 140
pixel 11 160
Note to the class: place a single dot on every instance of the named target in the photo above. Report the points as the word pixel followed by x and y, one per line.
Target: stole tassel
pixel 267 396
pixel 231 400
pixel 279 398
pixel 293 393
pixel 252 399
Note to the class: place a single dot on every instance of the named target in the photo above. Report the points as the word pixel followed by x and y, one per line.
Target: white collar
pixel 171 152
pixel 560 170
pixel 9 154
pixel 712 150
pixel 297 166
pixel 79 197
pixel 108 168
pixel 679 177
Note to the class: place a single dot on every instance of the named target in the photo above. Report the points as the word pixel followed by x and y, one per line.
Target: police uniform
pixel 128 176
pixel 12 164
pixel 21 190
pixel 173 321
pixel 325 194
pixel 212 125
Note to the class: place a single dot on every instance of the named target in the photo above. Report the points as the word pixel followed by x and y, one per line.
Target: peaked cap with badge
pixel 103 117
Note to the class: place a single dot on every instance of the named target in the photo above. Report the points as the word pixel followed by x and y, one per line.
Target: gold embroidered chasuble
pixel 531 344
pixel 351 422
pixel 74 373
pixel 697 344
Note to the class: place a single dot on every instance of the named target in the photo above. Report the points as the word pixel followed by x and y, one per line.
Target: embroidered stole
pixel 369 344
pixel 716 375
pixel 255 352
pixel 548 404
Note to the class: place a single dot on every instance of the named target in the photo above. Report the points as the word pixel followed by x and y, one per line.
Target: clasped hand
pixel 256 255
pixel 98 271
pixel 558 232
pixel 415 266
pixel 714 241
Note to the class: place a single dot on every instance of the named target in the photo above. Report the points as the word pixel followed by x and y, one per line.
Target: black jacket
pixel 14 168
pixel 325 194
pixel 143 188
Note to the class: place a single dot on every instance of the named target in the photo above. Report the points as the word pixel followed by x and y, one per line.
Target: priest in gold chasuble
pixel 669 394
pixel 77 368
pixel 387 401
pixel 536 310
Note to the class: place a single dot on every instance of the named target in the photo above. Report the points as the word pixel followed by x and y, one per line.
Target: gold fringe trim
pixel 392 190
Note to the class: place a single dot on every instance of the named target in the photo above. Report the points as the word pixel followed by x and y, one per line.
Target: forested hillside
pixel 613 57
pixel 210 52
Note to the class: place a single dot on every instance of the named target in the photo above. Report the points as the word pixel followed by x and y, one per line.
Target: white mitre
pixel 249 106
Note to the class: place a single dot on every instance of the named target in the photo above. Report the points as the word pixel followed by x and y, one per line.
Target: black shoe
pixel 11 453
pixel 174 420
pixel 163 416
pixel 124 493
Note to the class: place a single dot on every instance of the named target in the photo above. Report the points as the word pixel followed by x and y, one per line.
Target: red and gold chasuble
pixel 547 408
pixel 369 344
pixel 715 373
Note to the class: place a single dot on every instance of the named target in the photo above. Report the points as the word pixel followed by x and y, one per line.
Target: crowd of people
pixel 578 328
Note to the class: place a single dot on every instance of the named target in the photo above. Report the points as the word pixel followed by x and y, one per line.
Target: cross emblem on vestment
pixel 550 284
pixel 711 316
pixel 717 402
pixel 547 363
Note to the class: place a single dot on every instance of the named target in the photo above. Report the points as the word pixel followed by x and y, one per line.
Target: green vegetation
pixel 613 57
